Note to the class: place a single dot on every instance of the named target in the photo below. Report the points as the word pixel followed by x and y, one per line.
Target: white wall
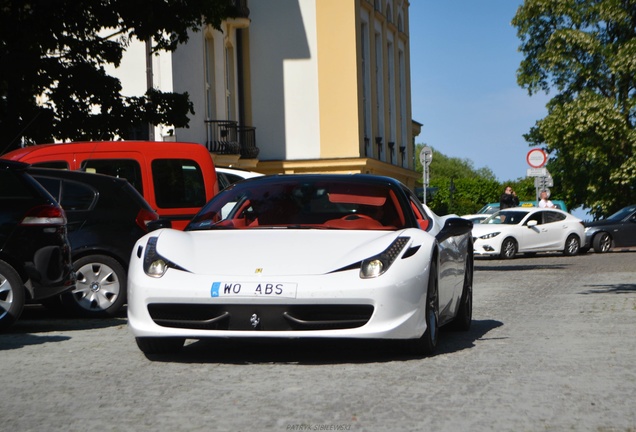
pixel 284 75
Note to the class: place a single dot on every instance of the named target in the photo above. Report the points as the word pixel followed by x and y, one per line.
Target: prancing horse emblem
pixel 255 320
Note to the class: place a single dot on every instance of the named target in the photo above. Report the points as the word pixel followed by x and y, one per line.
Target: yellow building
pixel 291 86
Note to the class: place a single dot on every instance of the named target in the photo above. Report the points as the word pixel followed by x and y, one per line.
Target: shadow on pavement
pixel 36 319
pixel 608 289
pixel 318 351
pixel 520 267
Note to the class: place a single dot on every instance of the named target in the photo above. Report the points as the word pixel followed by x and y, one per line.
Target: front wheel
pixel 159 345
pixel 572 245
pixel 427 343
pixel 508 248
pixel 602 242
pixel 100 291
pixel 11 295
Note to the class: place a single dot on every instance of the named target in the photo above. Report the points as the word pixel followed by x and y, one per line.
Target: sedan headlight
pixel 377 265
pixel 154 264
pixel 489 235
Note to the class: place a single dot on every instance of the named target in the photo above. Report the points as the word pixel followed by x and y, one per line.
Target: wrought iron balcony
pixel 239 9
pixel 228 138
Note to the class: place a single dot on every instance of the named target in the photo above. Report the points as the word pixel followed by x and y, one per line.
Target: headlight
pixel 489 235
pixel 154 264
pixel 587 229
pixel 379 264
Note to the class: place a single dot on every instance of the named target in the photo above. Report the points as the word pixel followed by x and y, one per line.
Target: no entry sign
pixel 537 158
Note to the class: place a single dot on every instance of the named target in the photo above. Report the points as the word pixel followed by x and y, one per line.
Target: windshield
pixel 622 213
pixel 507 217
pixel 292 203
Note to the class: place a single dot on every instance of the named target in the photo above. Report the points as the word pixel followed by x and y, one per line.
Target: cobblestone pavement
pixel 552 348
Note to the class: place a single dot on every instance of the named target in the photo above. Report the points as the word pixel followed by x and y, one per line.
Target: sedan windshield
pixel 622 213
pixel 507 217
pixel 291 203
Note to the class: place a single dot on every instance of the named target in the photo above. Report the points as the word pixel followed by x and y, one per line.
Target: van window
pixel 128 169
pixel 178 183
pixel 52 164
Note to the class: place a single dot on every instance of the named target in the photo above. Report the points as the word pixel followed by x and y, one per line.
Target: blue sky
pixel 464 60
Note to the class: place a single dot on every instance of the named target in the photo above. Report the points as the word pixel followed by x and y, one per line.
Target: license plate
pixel 254 289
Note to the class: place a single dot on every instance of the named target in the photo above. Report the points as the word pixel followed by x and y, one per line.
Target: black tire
pixel 159 345
pixel 508 248
pixel 427 343
pixel 572 245
pixel 464 317
pixel 602 242
pixel 100 291
pixel 11 295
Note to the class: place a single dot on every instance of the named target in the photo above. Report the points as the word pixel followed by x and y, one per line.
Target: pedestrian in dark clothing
pixel 508 199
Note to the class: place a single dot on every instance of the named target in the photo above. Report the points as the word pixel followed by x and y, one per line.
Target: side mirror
pixel 532 223
pixel 158 224
pixel 454 227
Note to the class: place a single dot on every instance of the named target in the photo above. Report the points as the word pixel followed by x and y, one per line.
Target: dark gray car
pixel 618 230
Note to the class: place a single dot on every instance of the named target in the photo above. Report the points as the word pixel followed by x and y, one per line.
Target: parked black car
pixel 106 216
pixel 35 254
pixel 618 230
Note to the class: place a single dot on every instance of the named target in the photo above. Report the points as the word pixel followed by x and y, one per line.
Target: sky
pixel 464 59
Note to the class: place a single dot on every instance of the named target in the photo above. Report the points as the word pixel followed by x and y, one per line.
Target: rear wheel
pixel 508 248
pixel 11 295
pixel 464 316
pixel 602 242
pixel 427 343
pixel 159 345
pixel 572 245
pixel 101 287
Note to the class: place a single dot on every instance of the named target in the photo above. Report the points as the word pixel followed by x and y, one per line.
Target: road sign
pixel 537 158
pixel 543 182
pixel 426 155
pixel 536 172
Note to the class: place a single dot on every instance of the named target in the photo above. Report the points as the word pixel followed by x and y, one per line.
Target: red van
pixel 176 178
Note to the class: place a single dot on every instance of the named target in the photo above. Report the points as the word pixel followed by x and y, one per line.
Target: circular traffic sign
pixel 426 155
pixel 537 158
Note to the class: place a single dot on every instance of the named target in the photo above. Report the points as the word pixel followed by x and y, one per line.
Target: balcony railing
pixel 239 9
pixel 228 138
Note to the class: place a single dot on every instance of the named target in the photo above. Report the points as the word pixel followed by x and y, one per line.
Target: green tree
pixel 585 51
pixel 460 188
pixel 52 56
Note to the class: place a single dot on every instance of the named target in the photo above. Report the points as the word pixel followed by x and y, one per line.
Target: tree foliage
pixel 52 55
pixel 461 189
pixel 585 50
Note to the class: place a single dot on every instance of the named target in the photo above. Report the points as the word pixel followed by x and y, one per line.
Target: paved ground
pixel 552 348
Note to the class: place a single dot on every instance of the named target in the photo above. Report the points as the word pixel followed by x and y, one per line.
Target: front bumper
pixel 337 305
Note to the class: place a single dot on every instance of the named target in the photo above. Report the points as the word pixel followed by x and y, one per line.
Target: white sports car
pixel 528 230
pixel 290 256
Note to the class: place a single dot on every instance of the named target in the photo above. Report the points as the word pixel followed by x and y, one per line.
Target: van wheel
pixel 100 291
pixel 11 295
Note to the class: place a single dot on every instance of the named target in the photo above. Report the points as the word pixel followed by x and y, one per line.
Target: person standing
pixel 545 202
pixel 508 199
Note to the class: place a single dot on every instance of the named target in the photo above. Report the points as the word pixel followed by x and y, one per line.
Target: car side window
pixel 536 217
pixel 11 186
pixel 178 183
pixel 72 196
pixel 128 169
pixel 420 214
pixel 550 216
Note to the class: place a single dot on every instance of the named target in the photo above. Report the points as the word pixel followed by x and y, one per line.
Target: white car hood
pixel 272 251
